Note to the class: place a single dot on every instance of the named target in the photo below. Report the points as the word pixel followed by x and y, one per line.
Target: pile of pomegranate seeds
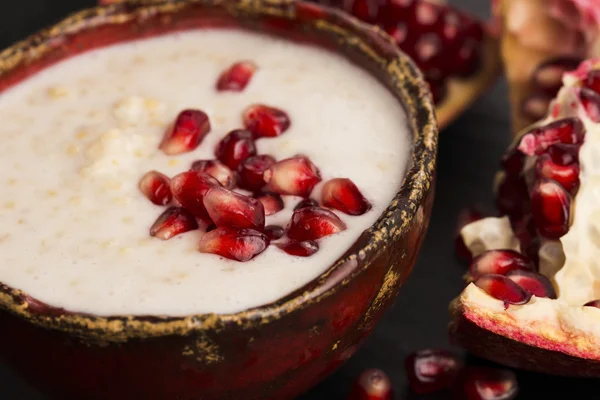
pixel 204 197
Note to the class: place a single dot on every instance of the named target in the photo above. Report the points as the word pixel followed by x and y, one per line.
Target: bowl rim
pixel 410 89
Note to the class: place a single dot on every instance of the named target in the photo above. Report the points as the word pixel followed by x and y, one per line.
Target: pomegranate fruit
pixel 552 223
pixel 312 223
pixel 187 132
pixel 296 176
pixel 217 170
pixel 236 77
pixel 457 54
pixel 239 245
pixel 372 384
pixel 300 249
pixel 342 194
pixel 265 121
pixel 156 187
pixel 235 147
pixel 172 222
pixel 431 370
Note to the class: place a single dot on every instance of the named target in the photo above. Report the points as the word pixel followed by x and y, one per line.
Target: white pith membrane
pixel 572 263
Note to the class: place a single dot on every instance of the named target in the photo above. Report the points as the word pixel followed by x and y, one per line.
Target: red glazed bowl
pixel 275 351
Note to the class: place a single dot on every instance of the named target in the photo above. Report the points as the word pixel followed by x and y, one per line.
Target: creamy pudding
pixel 79 136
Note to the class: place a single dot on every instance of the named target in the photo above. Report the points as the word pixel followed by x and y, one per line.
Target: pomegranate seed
pixel 236 77
pixel 513 161
pixel 498 262
pixel 306 203
pixel 566 175
pixel 217 170
pixel 502 288
pixel 190 127
pixel 239 245
pixel 592 81
pixel 265 121
pixel 311 223
pixel 551 208
pixel 593 303
pixel 234 210
pixel 300 249
pixel 487 384
pixel 296 176
pixel 372 384
pixel 252 170
pixel 156 187
pixel 512 197
pixel 564 154
pixel 431 370
pixel 235 147
pixel 274 232
pixel 342 194
pixel 568 130
pixel 590 101
pixel 172 222
pixel 465 217
pixel 548 75
pixel 536 284
pixel 189 189
pixel 272 202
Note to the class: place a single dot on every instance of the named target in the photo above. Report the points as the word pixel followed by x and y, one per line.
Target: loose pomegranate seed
pixel 548 75
pixel 342 194
pixel 568 130
pixel 251 172
pixel 189 189
pixel 300 249
pixel 172 222
pixel 431 370
pixel 235 147
pixel 239 245
pixel 274 232
pixel 465 217
pixel 265 121
pixel 306 203
pixel 551 208
pixel 486 384
pixel 236 77
pixel 593 303
pixel 372 384
pixel 512 197
pixel 590 101
pixel 311 223
pixel 499 262
pixel 502 288
pixel 156 187
pixel 217 170
pixel 234 210
pixel 536 284
pixel 190 127
pixel 296 176
pixel 592 81
pixel 272 202
pixel 566 175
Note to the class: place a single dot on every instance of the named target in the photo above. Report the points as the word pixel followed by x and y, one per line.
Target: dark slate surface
pixel 469 150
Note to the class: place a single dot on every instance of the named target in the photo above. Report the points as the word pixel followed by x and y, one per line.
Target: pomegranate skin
pixel 233 357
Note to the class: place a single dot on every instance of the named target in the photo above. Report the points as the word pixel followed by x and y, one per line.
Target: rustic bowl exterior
pixel 271 352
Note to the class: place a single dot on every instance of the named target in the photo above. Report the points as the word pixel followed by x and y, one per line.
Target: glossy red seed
pixel 536 284
pixel 592 81
pixel 217 170
pixel 236 77
pixel 342 194
pixel 299 249
pixel 306 203
pixel 190 127
pixel 499 262
pixel 265 121
pixel 235 147
pixel 465 217
pixel 431 370
pixel 512 197
pixel 312 223
pixel 564 154
pixel 189 189
pixel 251 172
pixel 568 130
pixel 372 384
pixel 593 303
pixel 227 208
pixel 156 187
pixel 590 101
pixel 502 288
pixel 239 245
pixel 566 175
pixel 172 222
pixel 296 176
pixel 274 232
pixel 272 202
pixel 551 208
pixel 480 383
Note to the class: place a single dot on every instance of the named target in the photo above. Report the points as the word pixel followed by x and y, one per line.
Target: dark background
pixel 469 150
